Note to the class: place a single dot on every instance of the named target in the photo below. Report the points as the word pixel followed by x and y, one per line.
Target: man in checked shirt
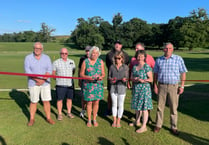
pixel 169 75
pixel 64 87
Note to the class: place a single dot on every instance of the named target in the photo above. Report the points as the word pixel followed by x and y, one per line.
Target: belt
pixel 165 83
pixel 64 86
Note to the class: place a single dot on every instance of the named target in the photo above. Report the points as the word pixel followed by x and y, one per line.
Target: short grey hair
pixel 141 44
pixel 94 48
pixel 38 43
pixel 62 49
pixel 168 43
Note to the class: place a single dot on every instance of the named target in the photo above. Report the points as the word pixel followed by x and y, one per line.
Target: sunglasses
pixel 119 58
pixel 64 53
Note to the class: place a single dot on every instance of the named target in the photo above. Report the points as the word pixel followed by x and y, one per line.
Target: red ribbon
pixel 65 77
pixel 39 75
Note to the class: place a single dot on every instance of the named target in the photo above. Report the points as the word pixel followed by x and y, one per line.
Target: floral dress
pixel 93 90
pixel 141 93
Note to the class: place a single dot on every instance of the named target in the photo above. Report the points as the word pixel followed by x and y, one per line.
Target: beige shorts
pixel 36 91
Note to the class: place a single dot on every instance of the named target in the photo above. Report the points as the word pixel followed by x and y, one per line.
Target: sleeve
pixel 182 67
pixel 148 68
pixel 110 73
pixel 49 66
pixel 126 72
pixel 27 66
pixel 74 66
pixel 126 58
pixel 156 67
pixel 152 63
pixel 132 71
pixel 54 66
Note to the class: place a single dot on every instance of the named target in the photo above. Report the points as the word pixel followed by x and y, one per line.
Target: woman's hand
pixel 136 79
pixel 124 79
pixel 113 80
pixel 142 81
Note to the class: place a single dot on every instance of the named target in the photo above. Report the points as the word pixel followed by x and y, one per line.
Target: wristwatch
pixel 182 87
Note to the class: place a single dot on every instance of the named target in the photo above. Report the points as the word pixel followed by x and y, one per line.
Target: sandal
pixel 70 115
pixel 88 124
pixel 141 130
pixel 135 124
pixel 95 123
pixel 114 125
pixel 118 126
pixel 59 117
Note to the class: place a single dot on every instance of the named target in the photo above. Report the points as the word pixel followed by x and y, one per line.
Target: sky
pixel 25 15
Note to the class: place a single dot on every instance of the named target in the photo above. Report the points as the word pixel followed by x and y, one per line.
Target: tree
pixel 87 33
pixel 117 21
pixel 106 30
pixel 45 33
pixel 196 29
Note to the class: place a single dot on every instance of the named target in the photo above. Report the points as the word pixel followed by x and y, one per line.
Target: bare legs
pixel 92 106
pixel 144 124
pixel 47 110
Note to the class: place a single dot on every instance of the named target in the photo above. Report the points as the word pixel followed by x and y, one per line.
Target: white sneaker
pixel 82 113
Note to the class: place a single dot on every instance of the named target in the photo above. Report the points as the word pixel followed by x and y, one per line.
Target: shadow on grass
pixel 193 103
pixel 75 102
pixel 193 139
pixel 65 143
pixel 197 64
pixel 2 141
pixel 190 138
pixel 104 141
pixel 125 141
pixel 21 98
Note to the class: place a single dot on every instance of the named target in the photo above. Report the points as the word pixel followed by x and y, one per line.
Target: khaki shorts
pixel 36 91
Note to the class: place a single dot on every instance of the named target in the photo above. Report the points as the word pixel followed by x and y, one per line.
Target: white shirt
pixel 64 68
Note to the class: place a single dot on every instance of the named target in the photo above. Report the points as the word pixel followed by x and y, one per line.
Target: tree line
pixel 44 35
pixel 191 31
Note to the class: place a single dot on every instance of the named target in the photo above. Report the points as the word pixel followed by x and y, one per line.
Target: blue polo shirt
pixel 35 66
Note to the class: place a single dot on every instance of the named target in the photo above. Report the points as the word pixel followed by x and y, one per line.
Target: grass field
pixel 14 107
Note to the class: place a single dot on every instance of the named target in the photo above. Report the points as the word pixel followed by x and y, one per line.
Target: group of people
pixel 168 81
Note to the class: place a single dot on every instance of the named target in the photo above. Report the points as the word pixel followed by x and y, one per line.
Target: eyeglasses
pixel 64 53
pixel 38 48
pixel 119 58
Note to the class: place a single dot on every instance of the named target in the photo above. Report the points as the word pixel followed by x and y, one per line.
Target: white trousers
pixel 117 104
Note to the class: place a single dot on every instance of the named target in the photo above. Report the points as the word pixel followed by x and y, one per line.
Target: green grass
pixel 14 107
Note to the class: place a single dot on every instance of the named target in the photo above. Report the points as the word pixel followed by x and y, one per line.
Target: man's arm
pixel 155 83
pixel 181 88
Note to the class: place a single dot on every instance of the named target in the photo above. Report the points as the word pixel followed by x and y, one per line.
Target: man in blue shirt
pixel 169 70
pixel 39 63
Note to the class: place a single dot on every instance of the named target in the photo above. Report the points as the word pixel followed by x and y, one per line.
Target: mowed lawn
pixel 193 121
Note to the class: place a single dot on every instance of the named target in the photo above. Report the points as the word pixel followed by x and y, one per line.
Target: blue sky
pixel 23 15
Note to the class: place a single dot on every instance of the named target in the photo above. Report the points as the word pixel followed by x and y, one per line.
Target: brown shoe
pixel 157 129
pixel 50 121
pixel 174 131
pixel 31 122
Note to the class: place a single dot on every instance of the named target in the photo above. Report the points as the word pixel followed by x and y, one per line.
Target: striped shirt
pixel 64 68
pixel 169 70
